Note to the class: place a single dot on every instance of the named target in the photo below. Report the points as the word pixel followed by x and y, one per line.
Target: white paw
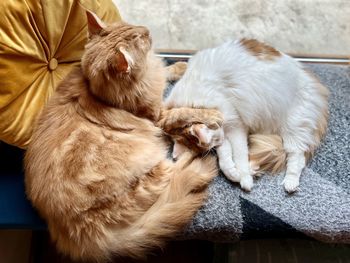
pixel 232 174
pixel 247 183
pixel 290 184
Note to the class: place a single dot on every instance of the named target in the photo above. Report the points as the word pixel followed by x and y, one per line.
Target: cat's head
pixel 196 137
pixel 118 50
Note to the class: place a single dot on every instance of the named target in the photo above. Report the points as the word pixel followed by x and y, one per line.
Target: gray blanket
pixel 319 210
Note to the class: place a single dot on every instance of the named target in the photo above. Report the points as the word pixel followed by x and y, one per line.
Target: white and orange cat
pixel 266 97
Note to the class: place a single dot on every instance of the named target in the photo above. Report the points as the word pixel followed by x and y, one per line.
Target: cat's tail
pixel 173 210
pixel 266 153
pixel 181 192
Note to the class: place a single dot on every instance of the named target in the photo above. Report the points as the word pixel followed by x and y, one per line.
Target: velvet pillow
pixel 40 42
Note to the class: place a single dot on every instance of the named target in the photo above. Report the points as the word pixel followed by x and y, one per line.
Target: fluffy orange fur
pixel 266 153
pixel 96 168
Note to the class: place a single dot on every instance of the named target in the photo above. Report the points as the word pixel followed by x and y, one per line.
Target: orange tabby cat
pixel 96 167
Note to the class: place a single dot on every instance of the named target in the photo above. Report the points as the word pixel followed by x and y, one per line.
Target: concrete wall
pixel 295 26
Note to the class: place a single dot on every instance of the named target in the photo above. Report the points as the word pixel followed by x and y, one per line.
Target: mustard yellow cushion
pixel 40 42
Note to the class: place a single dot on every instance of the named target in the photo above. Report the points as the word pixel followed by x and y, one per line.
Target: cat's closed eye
pixel 135 36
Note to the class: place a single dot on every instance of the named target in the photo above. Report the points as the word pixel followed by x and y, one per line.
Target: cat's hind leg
pixel 295 164
pixel 298 137
pixel 295 146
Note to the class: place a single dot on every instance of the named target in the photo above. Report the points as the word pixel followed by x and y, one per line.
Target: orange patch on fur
pixel 259 49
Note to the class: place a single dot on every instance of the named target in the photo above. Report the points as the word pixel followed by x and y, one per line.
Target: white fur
pixel 256 96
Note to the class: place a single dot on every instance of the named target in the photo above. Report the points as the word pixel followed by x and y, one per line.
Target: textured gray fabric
pixel 321 208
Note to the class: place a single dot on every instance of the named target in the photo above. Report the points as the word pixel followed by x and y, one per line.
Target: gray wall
pixel 294 26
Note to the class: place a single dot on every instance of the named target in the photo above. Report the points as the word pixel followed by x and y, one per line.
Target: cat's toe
pixel 247 183
pixel 233 178
pixel 290 184
pixel 232 174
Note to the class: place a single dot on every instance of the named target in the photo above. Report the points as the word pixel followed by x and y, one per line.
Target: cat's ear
pixel 123 61
pixel 95 24
pixel 178 150
pixel 202 133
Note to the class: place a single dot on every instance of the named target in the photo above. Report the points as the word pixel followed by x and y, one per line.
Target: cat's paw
pixel 247 183
pixel 232 174
pixel 213 119
pixel 180 67
pixel 176 70
pixel 290 184
pixel 170 119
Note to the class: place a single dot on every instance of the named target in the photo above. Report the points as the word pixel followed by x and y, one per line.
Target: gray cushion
pixel 319 210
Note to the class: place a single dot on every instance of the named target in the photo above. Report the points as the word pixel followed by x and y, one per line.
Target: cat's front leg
pixel 226 163
pixel 238 137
